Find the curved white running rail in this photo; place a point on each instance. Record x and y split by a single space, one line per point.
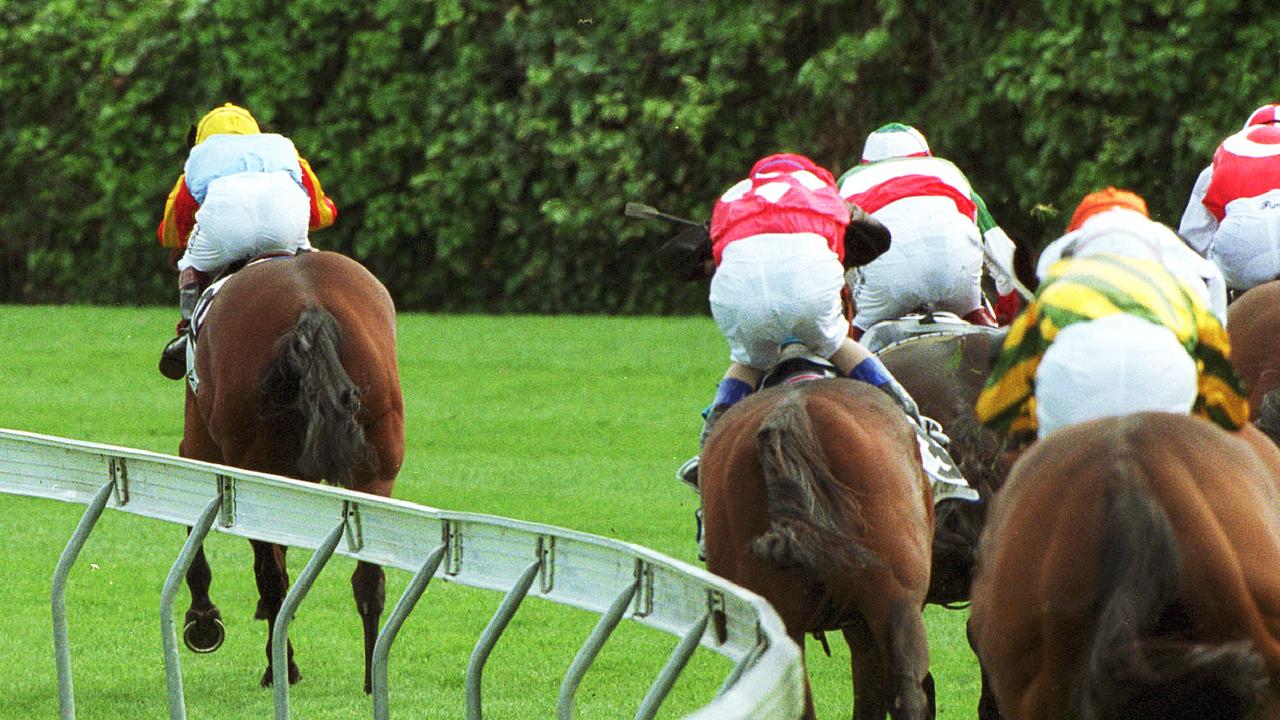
615 579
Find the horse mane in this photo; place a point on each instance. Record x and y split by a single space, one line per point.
1138 664
307 393
803 505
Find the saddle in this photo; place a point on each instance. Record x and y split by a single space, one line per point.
797 363
887 333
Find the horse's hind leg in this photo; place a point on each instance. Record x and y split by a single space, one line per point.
369 586
890 657
368 582
870 679
202 629
910 681
273 583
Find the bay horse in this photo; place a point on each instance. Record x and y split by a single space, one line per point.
297 372
944 372
814 496
1128 569
1253 323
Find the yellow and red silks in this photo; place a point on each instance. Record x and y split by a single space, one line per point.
180 209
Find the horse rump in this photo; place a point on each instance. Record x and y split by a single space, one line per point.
1140 663
307 394
803 506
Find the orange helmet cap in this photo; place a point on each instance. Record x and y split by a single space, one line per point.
1106 199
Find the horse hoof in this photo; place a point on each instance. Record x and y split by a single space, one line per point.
203 635
269 677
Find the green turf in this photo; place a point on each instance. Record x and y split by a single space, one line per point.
572 421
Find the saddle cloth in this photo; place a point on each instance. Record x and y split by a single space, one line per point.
891 332
202 309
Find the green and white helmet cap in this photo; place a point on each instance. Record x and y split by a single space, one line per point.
894 140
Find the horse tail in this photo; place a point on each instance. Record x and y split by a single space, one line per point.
307 387
805 530
1138 666
1268 420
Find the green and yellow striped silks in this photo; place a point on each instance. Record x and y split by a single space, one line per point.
1083 289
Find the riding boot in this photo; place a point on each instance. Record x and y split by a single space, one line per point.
981 316
688 472
173 359
728 393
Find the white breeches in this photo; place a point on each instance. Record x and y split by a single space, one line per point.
934 261
244 215
1115 365
1246 245
771 287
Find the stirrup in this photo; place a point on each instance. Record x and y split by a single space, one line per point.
701 537
688 473
173 359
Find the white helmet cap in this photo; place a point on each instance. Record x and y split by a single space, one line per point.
1115 365
894 140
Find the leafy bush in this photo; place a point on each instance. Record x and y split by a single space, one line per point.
480 153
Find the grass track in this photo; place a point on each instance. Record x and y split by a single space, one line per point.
572 421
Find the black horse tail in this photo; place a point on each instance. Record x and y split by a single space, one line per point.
308 392
1268 420
1139 664
803 505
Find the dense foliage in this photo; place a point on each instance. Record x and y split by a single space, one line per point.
480 152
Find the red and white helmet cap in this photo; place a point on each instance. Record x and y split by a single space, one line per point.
894 140
1264 115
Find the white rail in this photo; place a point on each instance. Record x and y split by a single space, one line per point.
615 579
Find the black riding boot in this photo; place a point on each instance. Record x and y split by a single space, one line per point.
173 359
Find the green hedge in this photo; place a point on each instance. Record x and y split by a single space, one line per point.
481 152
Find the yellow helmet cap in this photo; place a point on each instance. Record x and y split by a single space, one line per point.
226 120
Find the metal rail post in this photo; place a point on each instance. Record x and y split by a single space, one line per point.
587 653
58 598
382 647
280 639
168 635
497 625
675 665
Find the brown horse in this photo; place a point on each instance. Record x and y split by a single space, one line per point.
945 373
813 496
1253 322
1128 570
297 368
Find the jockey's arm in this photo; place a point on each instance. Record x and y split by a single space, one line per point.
179 216
323 209
1198 225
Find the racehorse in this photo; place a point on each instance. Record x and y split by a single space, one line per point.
1128 570
944 372
814 496
1253 322
296 361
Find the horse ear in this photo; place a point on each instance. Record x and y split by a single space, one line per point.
865 239
685 255
191 137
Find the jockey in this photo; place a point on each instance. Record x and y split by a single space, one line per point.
1110 335
940 228
778 241
1116 221
242 193
1233 216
